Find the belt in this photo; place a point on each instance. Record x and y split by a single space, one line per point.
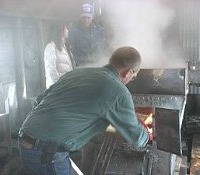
47 146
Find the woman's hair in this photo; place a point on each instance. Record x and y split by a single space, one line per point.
126 58
56 32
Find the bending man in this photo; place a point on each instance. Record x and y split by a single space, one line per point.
78 107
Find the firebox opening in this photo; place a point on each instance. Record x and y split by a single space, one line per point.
145 113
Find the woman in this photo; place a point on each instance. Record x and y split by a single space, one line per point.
57 59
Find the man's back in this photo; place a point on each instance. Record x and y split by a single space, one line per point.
75 108
78 107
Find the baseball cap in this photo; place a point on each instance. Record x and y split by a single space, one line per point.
87 10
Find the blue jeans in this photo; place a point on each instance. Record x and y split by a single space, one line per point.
60 165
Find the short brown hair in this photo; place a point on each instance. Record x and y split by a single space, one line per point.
126 57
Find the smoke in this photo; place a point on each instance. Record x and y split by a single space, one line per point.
142 24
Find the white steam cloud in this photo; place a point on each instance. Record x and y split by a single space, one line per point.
142 24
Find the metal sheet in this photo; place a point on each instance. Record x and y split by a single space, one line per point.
159 101
193 77
165 91
159 81
168 130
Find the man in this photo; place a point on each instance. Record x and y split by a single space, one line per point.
86 37
78 107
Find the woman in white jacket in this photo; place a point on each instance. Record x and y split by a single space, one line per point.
57 59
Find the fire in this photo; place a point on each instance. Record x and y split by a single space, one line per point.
147 121
149 125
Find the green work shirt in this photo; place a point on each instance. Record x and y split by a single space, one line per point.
81 105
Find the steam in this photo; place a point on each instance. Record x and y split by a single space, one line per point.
142 24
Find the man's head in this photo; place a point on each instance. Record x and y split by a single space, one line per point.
127 61
87 14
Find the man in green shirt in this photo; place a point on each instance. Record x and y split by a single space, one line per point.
78 107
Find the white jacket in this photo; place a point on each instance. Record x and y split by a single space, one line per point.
56 63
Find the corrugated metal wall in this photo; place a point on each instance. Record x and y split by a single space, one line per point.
189 16
189 29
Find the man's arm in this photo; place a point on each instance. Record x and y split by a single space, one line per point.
122 116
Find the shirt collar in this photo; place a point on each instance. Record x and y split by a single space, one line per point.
112 71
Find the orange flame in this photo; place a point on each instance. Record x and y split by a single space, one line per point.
149 120
149 125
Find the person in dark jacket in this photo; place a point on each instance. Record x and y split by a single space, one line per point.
77 108
86 37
